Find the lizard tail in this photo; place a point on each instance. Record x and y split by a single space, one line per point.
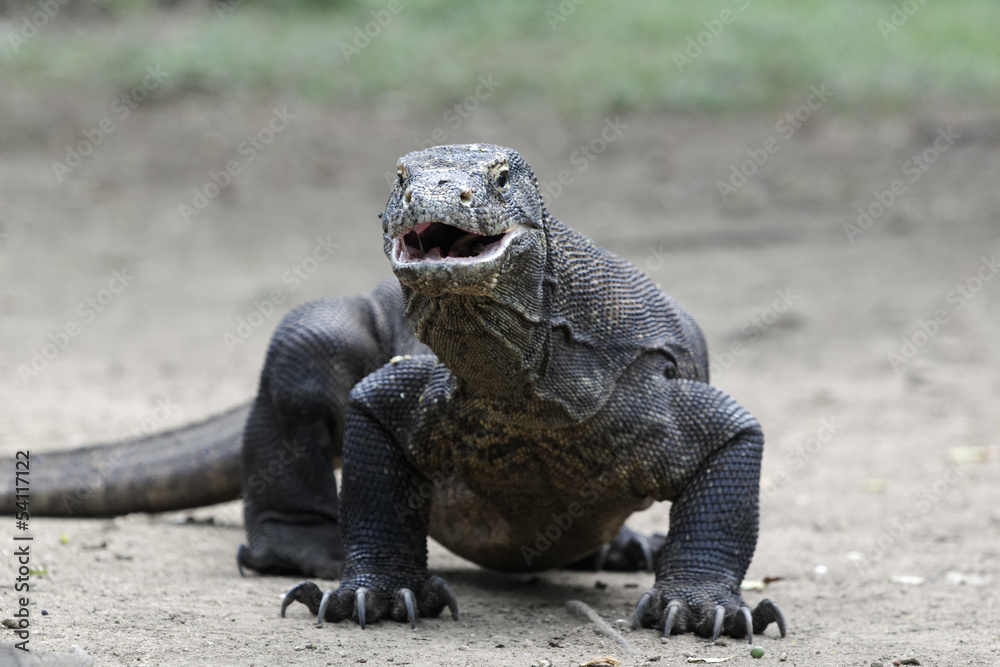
192 466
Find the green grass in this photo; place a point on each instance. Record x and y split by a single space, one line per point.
603 58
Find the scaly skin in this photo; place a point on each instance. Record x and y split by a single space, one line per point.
553 391
516 394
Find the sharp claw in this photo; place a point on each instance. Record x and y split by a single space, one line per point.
766 612
239 560
449 597
602 557
779 618
640 608
720 614
359 601
748 622
673 607
322 607
408 601
290 597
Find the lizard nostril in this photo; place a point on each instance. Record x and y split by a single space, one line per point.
466 196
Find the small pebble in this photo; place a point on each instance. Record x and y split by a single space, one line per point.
783 657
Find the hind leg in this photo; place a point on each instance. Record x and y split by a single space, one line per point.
295 429
630 551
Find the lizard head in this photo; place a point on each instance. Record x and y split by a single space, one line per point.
460 218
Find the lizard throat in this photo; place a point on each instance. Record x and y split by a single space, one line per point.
434 242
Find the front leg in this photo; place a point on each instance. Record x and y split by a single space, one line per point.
385 531
713 520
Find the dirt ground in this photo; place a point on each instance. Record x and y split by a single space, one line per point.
876 466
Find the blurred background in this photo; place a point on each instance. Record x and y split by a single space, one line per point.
207 146
815 180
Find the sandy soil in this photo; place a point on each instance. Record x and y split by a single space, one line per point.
861 480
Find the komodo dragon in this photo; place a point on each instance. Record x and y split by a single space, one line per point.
517 394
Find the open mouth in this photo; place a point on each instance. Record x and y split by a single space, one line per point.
436 241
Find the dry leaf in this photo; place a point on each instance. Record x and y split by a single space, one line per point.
960 579
711 660
602 661
968 454
873 485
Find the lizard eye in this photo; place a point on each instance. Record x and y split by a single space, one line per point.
502 180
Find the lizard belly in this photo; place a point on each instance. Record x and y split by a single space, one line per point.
521 539
526 500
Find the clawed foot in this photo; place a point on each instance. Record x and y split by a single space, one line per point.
708 610
630 551
373 598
